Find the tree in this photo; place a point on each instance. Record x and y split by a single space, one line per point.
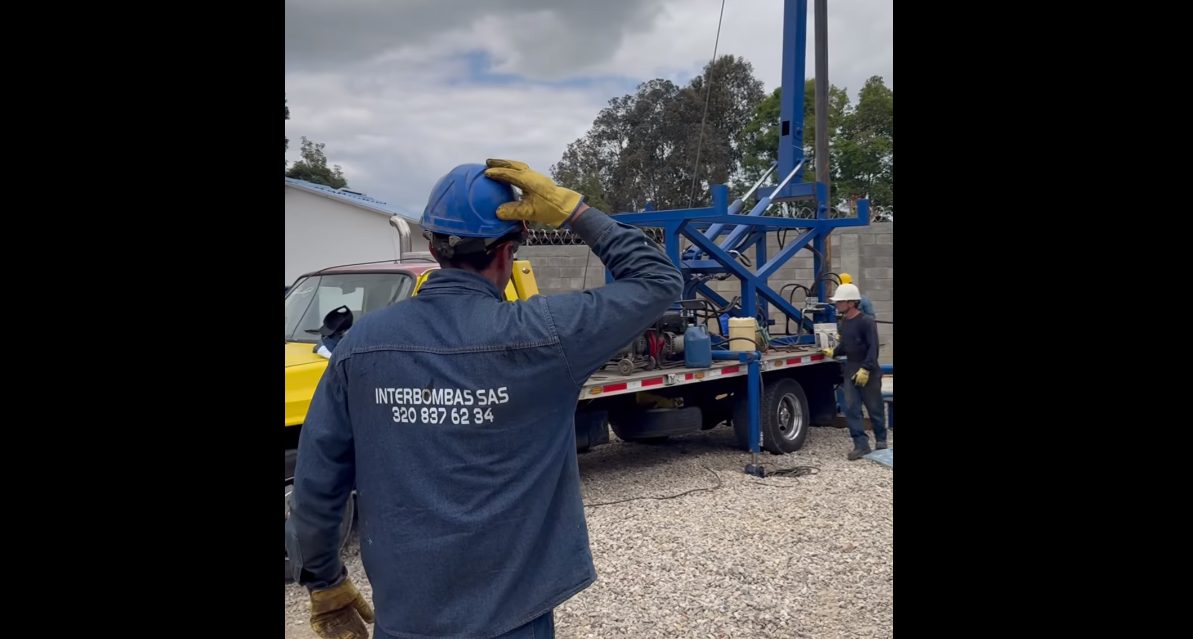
287 119
643 147
760 141
313 167
762 136
861 143
867 146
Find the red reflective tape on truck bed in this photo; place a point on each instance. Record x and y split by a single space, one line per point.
689 376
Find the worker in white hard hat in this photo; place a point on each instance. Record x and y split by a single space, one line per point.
864 305
858 343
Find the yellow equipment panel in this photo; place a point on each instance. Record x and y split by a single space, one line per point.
523 280
522 285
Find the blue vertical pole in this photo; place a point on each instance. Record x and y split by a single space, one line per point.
760 258
819 268
671 240
720 198
791 103
749 299
753 380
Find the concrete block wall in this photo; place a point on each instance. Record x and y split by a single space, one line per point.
866 253
563 269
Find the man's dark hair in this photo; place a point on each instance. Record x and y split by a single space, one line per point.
477 260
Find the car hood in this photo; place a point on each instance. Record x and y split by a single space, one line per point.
298 354
304 369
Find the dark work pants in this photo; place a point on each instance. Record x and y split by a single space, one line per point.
871 396
541 628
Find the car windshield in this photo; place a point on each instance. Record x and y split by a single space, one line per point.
311 299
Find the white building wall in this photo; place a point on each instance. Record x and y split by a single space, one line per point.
323 232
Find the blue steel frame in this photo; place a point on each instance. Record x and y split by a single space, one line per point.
751 229
751 359
704 226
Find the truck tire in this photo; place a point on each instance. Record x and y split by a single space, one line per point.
782 419
349 509
592 429
657 424
716 413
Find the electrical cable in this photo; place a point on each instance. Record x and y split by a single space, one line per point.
794 472
791 301
702 489
707 97
741 258
824 265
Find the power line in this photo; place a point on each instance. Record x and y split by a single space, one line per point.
707 96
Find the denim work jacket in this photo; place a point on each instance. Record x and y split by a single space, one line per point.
866 307
452 413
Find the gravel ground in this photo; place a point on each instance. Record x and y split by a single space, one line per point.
779 558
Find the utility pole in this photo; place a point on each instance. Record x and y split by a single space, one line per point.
822 160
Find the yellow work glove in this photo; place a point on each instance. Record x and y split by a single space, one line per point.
340 612
862 377
541 202
828 351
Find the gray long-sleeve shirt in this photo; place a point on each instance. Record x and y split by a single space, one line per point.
859 344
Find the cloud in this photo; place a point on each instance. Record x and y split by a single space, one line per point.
546 37
403 90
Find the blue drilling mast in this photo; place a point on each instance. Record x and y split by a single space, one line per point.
704 226
709 258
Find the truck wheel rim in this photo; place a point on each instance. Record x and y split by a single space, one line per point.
790 417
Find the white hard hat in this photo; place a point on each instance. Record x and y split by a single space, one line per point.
845 293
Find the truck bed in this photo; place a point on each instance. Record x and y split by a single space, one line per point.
609 382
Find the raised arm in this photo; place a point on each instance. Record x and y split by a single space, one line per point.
594 325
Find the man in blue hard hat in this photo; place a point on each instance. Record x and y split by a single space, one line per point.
453 414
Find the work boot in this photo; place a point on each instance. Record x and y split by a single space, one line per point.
857 453
880 445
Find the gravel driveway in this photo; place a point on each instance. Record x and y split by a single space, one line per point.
776 558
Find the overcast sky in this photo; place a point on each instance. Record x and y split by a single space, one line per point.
401 91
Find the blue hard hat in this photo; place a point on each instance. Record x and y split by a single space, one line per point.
464 203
